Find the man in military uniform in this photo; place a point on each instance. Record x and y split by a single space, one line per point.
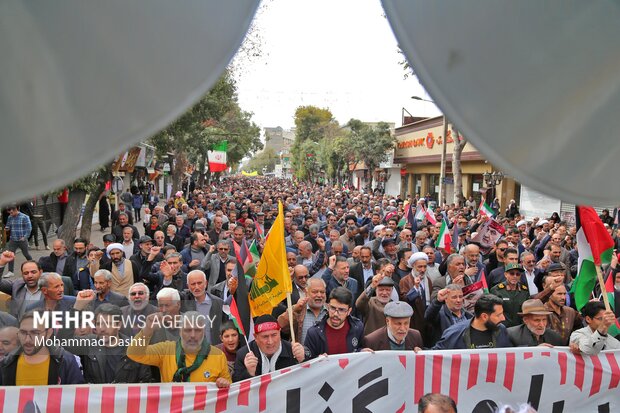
513 293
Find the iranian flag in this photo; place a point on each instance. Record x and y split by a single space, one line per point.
233 314
217 157
430 217
485 209
595 247
444 240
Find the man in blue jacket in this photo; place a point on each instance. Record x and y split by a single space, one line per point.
483 331
338 332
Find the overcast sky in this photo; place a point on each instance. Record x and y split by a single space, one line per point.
339 54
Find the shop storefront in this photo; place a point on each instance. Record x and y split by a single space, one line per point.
418 151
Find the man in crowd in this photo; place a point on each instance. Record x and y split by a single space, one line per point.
170 273
267 352
364 270
138 308
130 245
25 291
497 276
124 271
445 310
563 319
55 262
512 292
102 281
485 330
337 275
594 338
534 330
338 332
307 311
197 298
37 363
123 222
8 340
215 264
371 303
20 227
190 359
195 252
146 257
396 334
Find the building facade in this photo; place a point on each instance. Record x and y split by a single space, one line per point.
418 151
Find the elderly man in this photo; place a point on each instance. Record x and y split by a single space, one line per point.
513 293
138 309
190 359
169 305
455 274
35 363
52 295
55 262
148 255
337 275
370 307
415 289
130 245
445 310
123 222
485 330
196 298
307 311
396 334
214 264
173 239
313 262
594 338
8 340
534 330
170 273
267 352
102 281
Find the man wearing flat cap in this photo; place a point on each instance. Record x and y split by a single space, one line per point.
267 352
370 307
396 335
534 330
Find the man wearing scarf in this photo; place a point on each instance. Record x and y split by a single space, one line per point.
191 358
267 352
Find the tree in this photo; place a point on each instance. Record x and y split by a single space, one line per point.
312 125
217 116
459 145
335 153
265 159
370 144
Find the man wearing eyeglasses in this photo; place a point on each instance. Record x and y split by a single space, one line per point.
338 332
214 263
513 294
138 308
35 363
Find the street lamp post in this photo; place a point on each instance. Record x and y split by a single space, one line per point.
493 179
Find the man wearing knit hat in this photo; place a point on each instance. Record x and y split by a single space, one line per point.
267 352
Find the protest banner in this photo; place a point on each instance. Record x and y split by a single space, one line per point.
550 379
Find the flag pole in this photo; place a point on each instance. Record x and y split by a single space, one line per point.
601 284
289 308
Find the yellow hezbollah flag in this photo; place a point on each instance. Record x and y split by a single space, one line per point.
272 280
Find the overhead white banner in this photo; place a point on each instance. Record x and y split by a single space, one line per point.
552 380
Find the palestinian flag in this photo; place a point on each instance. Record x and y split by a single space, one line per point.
595 247
403 220
485 209
420 212
430 217
614 329
444 240
259 230
217 157
252 260
233 314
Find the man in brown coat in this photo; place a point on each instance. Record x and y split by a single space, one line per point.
371 308
396 335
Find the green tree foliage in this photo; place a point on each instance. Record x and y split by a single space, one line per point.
312 125
216 117
370 145
267 159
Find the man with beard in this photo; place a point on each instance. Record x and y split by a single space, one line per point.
455 274
534 331
445 310
300 280
8 340
124 271
307 311
483 331
338 332
364 270
370 307
563 319
267 352
25 291
55 262
169 305
191 358
34 363
214 263
137 310
123 222
108 363
102 281
77 266
396 335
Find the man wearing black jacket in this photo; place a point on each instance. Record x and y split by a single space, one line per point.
267 352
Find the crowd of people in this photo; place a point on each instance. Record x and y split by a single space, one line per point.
155 307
